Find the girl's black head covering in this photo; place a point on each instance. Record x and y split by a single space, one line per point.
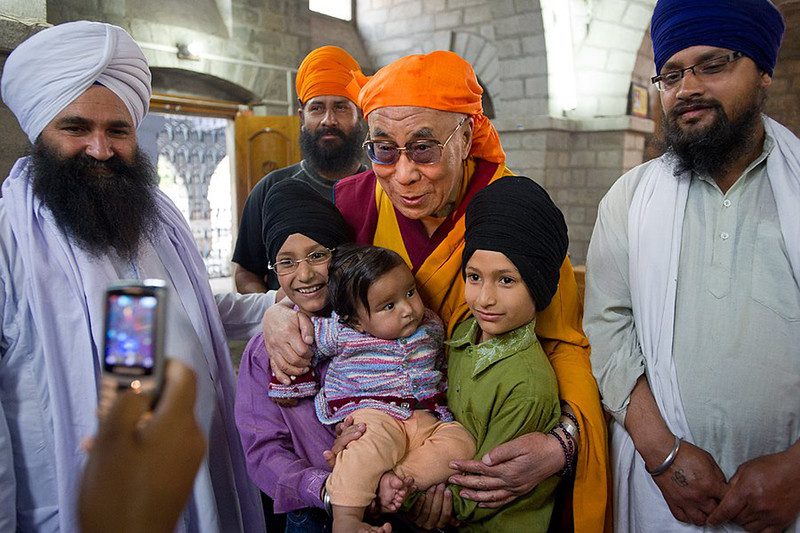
516 217
292 206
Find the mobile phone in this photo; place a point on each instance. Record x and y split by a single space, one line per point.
135 321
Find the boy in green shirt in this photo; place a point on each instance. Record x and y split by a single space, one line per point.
500 382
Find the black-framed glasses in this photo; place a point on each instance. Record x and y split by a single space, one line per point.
704 69
423 151
287 266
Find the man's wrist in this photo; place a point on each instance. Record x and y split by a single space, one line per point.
668 460
562 450
326 499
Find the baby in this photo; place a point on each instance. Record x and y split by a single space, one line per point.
387 372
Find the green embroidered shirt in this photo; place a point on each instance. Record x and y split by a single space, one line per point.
499 390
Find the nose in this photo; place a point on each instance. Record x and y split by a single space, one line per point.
689 86
487 297
99 147
329 118
305 272
406 309
405 170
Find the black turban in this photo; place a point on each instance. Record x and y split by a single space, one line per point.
292 206
516 217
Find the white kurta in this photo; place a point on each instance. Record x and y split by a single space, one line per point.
676 289
32 497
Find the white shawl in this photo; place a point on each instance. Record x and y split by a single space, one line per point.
62 284
655 223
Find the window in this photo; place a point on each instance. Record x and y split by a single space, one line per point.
341 9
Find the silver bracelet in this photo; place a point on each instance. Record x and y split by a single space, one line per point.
569 427
326 501
663 467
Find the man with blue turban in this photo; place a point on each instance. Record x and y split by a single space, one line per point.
693 288
82 211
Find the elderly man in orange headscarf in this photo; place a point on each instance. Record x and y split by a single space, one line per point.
331 133
432 149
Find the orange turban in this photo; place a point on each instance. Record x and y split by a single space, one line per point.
326 71
439 80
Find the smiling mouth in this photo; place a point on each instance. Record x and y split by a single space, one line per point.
310 290
487 317
413 199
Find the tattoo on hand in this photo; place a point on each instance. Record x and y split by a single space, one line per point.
679 478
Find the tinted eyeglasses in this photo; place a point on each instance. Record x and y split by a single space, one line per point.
287 266
422 152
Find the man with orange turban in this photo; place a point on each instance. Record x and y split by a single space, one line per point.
331 132
432 149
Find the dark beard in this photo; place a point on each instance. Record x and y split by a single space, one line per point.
332 159
712 151
114 210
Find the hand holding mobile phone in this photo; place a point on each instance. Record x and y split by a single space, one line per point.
133 352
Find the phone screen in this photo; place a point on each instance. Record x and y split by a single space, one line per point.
130 334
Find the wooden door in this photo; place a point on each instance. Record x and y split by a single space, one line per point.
263 144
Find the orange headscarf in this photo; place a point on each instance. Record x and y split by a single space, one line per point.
440 80
327 71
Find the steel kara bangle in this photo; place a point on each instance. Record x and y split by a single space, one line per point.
326 501
663 467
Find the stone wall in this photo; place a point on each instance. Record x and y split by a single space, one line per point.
502 39
240 40
783 103
576 161
251 46
342 33
19 19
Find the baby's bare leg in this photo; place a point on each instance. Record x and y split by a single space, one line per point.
351 520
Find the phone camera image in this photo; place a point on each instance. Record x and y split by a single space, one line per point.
130 334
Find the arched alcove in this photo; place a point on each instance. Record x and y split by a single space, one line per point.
168 80
480 53
609 35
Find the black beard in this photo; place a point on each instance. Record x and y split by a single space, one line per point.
712 151
327 158
100 205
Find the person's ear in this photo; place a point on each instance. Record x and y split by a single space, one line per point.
355 324
467 135
765 80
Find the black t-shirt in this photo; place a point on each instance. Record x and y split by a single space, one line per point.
250 252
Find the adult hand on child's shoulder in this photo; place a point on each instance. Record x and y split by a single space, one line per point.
288 336
510 470
346 432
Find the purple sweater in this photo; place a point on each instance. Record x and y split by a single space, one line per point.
283 445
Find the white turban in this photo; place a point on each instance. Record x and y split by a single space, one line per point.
47 72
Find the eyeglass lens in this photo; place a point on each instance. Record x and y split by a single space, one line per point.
388 153
317 257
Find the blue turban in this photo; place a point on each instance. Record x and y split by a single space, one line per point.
752 27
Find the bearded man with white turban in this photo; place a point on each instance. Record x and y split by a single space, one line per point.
693 288
80 212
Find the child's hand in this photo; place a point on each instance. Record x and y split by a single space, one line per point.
346 432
